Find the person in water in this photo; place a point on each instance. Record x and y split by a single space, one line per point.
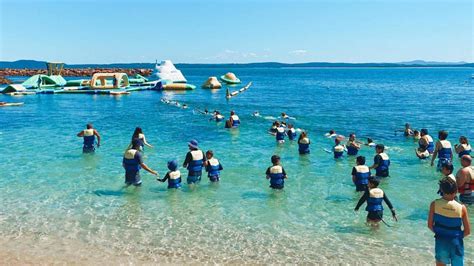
352 145
132 163
89 134
407 131
284 116
416 135
360 174
234 119
374 197
442 150
256 114
338 149
276 173
465 181
381 162
217 116
422 153
173 175
445 219
331 134
291 132
370 143
213 167
138 134
303 143
280 134
273 129
194 162
426 141
463 148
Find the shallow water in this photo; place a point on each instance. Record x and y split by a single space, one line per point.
53 197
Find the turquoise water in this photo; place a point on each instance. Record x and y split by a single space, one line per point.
58 202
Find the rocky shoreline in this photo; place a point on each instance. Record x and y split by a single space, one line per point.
69 72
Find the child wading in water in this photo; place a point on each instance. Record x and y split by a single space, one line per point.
173 175
374 197
445 219
276 173
213 166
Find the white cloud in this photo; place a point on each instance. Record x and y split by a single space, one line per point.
298 52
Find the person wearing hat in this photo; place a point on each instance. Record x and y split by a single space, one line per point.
173 175
132 163
194 162
89 134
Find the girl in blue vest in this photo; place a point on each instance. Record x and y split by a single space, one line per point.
132 163
446 219
138 134
194 162
280 134
89 135
213 167
291 132
374 197
173 175
303 143
234 119
352 146
360 174
463 148
442 150
338 149
276 173
426 141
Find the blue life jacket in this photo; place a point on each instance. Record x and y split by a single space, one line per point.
466 151
374 202
430 147
197 161
235 121
338 151
447 219
445 153
362 175
351 150
303 146
213 167
89 138
276 175
130 163
382 167
174 180
280 134
291 134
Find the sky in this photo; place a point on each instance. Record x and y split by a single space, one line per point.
232 31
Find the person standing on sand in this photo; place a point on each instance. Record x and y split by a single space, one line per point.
89 134
194 162
446 216
132 163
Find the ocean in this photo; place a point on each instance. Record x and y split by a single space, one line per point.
59 205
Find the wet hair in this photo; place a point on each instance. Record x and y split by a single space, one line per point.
303 135
463 139
138 130
209 152
352 135
407 125
89 126
374 181
443 134
337 141
369 140
448 166
232 113
360 160
424 131
448 186
380 147
416 132
275 159
332 131
466 158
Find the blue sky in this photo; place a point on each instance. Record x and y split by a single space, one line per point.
236 31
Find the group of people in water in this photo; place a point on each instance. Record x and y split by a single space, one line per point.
446 217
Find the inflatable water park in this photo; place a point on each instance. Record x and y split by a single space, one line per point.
165 76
